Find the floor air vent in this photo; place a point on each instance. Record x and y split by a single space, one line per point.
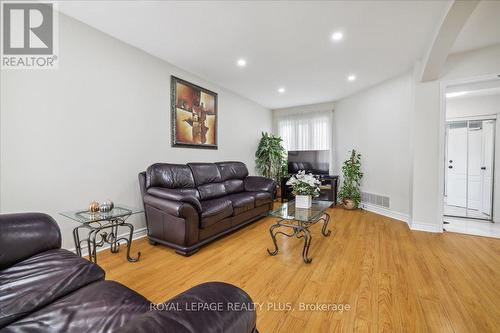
375 199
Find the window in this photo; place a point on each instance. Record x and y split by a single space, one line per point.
307 131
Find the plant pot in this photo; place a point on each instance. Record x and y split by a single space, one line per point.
278 192
349 204
303 201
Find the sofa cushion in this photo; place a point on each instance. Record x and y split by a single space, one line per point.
232 170
232 174
205 173
212 191
259 184
40 280
234 186
208 180
104 306
169 176
242 202
215 210
261 198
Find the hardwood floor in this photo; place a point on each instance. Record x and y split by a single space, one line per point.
393 279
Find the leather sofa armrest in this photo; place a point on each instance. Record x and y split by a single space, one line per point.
176 208
209 307
142 185
182 195
257 183
26 234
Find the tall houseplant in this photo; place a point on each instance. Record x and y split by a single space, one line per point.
271 157
349 193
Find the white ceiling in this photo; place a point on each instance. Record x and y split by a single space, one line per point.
285 43
482 29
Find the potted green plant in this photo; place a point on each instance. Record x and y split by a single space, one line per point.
271 157
304 187
349 193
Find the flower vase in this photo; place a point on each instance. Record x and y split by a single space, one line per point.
303 201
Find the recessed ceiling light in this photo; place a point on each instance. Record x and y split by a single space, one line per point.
337 36
456 94
241 62
281 90
351 77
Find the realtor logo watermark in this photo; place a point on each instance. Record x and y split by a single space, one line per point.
29 35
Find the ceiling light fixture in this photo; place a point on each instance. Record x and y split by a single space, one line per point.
456 94
241 62
351 78
281 90
337 36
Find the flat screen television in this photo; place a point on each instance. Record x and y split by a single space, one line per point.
317 161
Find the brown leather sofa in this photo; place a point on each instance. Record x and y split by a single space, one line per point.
44 288
190 205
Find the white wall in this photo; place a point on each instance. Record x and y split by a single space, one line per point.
472 106
86 130
376 122
428 134
425 154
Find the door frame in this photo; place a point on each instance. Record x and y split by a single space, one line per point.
468 120
442 140
493 168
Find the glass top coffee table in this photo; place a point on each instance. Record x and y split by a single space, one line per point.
97 224
299 220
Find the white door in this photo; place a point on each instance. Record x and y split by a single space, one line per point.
487 166
475 145
456 186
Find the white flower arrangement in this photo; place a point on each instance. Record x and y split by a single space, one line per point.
304 184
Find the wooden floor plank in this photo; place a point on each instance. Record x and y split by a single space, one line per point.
393 279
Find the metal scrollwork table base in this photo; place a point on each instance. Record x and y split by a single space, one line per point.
102 229
299 220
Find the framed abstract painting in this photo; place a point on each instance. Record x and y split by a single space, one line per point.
194 115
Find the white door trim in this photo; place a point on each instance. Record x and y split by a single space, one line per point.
485 117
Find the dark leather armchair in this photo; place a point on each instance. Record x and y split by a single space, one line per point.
218 295
190 205
35 231
44 288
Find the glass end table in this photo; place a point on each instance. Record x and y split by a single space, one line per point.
299 220
96 222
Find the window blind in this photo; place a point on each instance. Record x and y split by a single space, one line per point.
306 131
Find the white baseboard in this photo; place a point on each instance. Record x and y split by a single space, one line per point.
401 217
426 227
138 233
385 212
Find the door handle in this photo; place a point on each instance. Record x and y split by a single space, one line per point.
483 168
450 166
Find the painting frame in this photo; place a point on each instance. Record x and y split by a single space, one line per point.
200 131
